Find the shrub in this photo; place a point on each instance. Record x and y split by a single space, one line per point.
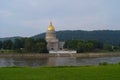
119 63
103 63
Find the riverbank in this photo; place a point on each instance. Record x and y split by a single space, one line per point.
81 55
104 72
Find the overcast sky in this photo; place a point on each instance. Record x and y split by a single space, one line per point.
31 17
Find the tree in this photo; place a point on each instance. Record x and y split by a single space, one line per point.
0 44
81 46
35 45
41 46
7 44
108 47
29 44
71 44
18 44
97 45
89 46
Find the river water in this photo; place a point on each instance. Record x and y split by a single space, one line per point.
56 61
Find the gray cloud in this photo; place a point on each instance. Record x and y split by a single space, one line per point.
30 17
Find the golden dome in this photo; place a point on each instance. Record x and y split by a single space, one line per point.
51 27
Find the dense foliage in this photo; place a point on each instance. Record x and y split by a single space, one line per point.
25 45
39 46
89 46
104 72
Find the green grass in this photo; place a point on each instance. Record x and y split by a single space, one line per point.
107 72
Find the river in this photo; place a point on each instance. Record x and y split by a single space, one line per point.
56 61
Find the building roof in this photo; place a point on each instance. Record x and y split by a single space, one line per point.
51 27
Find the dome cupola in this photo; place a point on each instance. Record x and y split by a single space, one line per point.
51 27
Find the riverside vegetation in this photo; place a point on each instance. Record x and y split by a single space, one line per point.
31 45
23 45
103 72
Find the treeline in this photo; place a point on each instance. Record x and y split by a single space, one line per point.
89 46
24 45
31 45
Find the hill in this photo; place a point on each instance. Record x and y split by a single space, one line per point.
105 36
10 38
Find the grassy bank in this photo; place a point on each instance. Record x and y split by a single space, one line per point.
107 72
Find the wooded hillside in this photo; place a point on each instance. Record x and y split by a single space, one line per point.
104 36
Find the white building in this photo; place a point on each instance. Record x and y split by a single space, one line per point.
53 44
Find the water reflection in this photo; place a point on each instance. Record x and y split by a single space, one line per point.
61 61
56 61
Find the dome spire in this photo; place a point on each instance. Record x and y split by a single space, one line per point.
50 23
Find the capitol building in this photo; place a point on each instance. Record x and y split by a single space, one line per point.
53 44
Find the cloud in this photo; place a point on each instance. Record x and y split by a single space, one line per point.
4 13
66 14
31 23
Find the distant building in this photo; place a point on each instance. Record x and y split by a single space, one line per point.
53 44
